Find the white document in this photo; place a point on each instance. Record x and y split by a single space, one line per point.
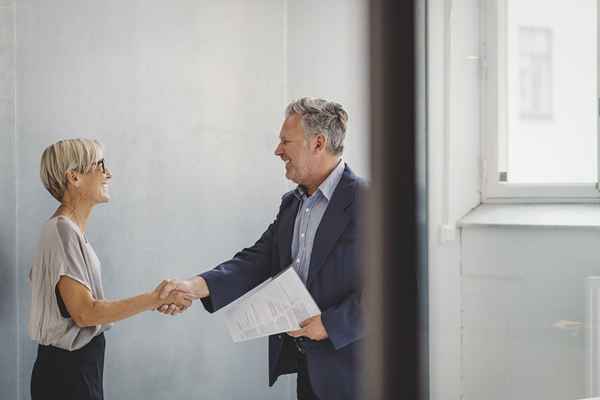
277 305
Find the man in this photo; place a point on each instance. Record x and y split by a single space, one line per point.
317 232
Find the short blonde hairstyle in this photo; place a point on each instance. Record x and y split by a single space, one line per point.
78 155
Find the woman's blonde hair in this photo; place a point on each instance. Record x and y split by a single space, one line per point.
78 155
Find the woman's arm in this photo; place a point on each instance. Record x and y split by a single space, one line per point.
85 310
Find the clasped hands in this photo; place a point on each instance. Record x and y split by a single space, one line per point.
173 297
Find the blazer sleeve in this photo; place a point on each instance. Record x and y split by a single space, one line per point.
344 322
247 269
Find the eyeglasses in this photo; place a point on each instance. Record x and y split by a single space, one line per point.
100 164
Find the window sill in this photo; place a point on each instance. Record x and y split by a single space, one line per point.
534 215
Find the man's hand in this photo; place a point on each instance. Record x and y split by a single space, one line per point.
312 328
193 288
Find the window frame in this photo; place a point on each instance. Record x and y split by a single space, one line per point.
494 121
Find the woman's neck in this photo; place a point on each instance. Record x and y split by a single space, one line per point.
78 212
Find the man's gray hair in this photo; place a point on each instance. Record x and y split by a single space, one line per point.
321 116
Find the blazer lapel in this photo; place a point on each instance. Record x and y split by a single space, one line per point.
334 221
286 230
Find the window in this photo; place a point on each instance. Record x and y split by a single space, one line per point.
540 95
535 73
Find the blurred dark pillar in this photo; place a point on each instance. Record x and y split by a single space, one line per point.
397 296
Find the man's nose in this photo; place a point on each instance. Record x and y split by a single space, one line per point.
278 150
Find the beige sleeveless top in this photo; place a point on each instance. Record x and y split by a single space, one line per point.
62 250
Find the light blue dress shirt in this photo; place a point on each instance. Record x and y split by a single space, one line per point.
309 217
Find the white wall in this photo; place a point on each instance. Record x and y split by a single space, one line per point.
453 153
337 71
188 98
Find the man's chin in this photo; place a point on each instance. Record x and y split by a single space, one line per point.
290 177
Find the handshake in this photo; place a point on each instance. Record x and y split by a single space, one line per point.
174 296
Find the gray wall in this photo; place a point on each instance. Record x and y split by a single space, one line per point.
8 227
188 98
327 50
517 284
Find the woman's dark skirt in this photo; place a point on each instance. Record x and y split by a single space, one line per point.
62 374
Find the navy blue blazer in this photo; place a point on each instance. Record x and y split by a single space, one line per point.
334 281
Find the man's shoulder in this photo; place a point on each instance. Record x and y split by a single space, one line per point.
358 182
288 197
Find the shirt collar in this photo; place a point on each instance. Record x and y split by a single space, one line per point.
328 186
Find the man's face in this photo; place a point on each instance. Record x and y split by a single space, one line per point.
294 150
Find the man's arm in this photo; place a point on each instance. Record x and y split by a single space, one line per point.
231 279
342 324
246 270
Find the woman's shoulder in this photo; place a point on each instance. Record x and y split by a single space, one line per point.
62 229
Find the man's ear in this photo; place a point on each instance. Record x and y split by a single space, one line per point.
320 142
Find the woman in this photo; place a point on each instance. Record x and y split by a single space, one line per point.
68 311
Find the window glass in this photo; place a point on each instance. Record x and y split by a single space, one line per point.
551 109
